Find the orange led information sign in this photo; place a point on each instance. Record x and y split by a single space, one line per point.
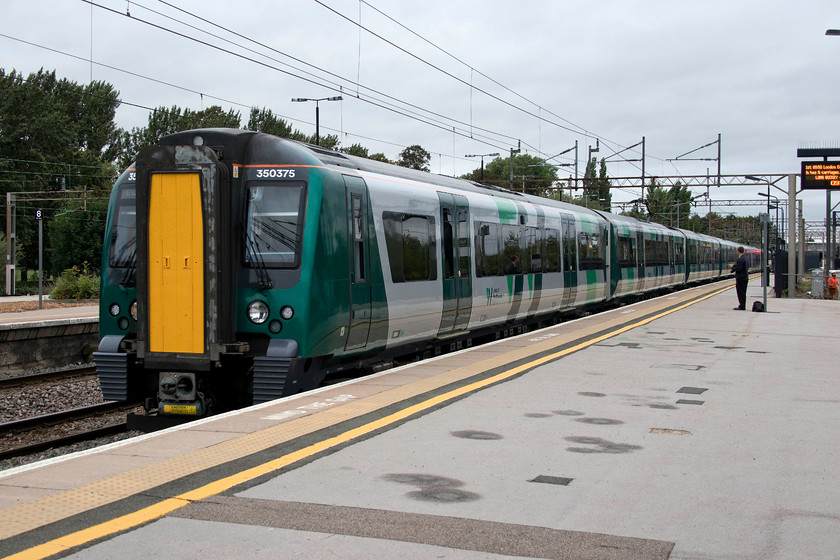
824 175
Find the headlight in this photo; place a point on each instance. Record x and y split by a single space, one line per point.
132 310
287 312
114 310
257 312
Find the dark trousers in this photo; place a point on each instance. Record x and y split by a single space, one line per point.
741 289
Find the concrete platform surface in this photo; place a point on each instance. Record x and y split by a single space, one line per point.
692 432
45 315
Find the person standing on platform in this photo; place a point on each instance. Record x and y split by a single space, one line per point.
742 277
832 286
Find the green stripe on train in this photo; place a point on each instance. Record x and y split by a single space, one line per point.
507 211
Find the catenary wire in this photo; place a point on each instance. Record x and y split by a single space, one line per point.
376 103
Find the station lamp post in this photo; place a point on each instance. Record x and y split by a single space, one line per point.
780 225
765 237
482 156
317 117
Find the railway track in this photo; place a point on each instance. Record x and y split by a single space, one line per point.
35 378
28 436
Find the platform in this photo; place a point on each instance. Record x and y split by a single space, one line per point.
673 428
47 337
81 313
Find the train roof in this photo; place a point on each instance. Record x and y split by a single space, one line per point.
338 159
221 139
239 139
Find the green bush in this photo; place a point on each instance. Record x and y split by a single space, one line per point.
76 284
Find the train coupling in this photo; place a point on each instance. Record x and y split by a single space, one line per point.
178 395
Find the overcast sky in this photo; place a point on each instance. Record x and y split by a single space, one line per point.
479 77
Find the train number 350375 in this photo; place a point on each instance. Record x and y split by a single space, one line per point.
275 173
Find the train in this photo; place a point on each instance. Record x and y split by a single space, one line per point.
240 267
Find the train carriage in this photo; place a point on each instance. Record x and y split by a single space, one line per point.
702 257
648 256
240 267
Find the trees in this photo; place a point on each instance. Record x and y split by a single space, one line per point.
55 137
379 156
264 120
596 186
415 157
77 235
658 203
680 197
356 150
530 174
671 207
163 121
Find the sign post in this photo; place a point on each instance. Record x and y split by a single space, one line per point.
39 216
765 246
822 175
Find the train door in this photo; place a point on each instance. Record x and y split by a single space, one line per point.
457 263
570 260
672 258
176 264
359 265
609 247
641 270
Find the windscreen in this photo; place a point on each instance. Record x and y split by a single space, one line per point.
124 228
274 225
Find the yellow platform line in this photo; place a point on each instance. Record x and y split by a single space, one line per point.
158 510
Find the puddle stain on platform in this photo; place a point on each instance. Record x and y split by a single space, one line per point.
433 488
601 445
476 434
599 421
568 413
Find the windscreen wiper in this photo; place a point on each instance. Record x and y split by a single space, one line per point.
258 264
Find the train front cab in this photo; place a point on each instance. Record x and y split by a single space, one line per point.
183 279
116 355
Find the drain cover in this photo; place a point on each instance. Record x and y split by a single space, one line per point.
693 390
624 344
686 401
559 480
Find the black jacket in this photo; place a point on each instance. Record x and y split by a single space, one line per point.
740 268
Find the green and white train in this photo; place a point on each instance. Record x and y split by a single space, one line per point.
240 267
